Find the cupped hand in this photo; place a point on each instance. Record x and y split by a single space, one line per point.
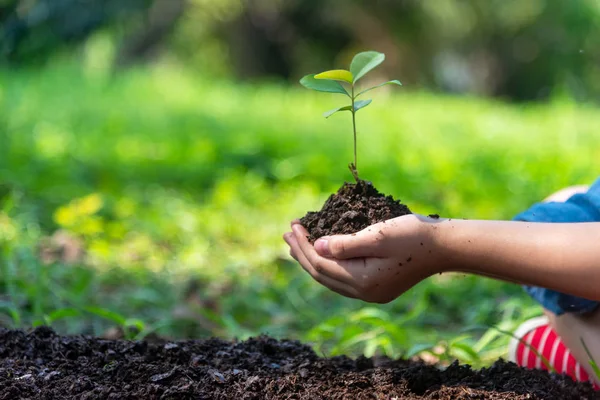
376 264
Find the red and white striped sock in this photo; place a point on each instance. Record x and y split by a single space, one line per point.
538 334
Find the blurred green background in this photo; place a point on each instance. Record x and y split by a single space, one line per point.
153 152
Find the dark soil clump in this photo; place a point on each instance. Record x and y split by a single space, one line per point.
353 208
43 365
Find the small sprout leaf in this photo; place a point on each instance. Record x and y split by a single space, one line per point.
336 75
358 104
322 85
394 82
365 62
331 112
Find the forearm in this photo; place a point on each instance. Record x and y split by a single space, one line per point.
563 257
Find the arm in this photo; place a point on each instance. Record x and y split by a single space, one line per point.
563 257
383 261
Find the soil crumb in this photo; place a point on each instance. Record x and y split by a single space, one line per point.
354 207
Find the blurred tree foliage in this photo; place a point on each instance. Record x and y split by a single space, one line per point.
521 50
34 30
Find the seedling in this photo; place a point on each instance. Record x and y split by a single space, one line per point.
333 218
336 81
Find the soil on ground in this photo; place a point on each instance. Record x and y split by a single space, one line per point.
43 365
353 208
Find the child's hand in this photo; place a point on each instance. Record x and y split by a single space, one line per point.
377 264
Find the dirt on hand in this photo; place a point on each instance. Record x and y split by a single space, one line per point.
353 208
43 365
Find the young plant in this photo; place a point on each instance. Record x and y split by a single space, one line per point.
333 82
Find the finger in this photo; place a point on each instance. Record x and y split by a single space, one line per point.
365 243
331 268
337 286
286 238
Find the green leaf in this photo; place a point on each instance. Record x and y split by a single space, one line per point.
329 113
336 75
595 368
464 351
394 82
369 313
354 338
591 360
322 85
365 62
38 322
60 314
135 323
370 348
13 312
358 104
107 314
418 349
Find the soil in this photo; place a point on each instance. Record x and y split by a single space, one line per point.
43 365
354 207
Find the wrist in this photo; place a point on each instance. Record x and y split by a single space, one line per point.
442 233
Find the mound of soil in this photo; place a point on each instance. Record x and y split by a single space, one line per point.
43 365
353 208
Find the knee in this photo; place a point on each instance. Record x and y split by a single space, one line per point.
564 194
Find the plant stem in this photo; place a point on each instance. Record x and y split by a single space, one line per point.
353 168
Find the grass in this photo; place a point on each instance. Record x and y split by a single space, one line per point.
155 202
591 360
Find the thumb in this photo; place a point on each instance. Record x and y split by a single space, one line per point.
347 246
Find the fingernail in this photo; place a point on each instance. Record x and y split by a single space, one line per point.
322 247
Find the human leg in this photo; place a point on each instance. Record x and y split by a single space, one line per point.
573 329
557 337
536 345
